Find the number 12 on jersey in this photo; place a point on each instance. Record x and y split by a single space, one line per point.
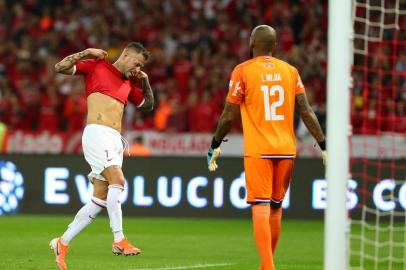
270 109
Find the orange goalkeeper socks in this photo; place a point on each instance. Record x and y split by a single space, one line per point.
275 221
262 235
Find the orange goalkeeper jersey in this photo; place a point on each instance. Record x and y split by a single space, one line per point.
265 88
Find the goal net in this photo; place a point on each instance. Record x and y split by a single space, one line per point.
377 193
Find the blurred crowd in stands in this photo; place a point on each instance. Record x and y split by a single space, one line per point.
195 44
379 70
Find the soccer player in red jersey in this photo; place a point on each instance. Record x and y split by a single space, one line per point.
108 89
265 90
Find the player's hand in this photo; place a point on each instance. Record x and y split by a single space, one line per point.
212 157
324 156
141 75
97 53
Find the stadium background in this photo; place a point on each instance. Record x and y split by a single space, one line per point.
194 45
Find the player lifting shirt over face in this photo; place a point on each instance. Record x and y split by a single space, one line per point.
265 91
108 89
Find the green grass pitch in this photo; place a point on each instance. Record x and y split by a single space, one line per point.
166 243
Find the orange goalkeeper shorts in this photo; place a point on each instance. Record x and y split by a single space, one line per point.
267 179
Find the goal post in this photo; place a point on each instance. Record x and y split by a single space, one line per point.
338 115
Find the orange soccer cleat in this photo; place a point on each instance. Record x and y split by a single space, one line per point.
125 247
60 251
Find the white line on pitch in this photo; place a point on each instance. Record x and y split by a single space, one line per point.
300 266
195 266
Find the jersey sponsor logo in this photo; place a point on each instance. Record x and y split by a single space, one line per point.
237 87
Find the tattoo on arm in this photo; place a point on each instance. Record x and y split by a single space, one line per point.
69 61
230 113
148 95
309 117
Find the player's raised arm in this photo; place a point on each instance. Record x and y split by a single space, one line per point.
312 123
147 91
66 65
143 100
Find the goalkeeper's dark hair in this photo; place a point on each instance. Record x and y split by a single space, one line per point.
139 48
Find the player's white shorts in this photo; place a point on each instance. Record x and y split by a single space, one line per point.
102 147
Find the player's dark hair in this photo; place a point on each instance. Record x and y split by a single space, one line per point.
139 48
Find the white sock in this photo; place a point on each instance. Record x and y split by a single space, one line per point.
114 210
83 218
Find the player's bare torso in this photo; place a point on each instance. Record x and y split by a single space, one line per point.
104 110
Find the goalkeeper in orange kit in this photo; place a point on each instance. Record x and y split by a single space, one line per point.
265 90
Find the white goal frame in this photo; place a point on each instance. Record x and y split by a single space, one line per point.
338 127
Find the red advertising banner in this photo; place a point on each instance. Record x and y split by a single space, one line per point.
190 144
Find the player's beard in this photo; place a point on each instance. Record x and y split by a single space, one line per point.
128 75
251 53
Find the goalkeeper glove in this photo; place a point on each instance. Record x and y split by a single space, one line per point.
322 145
324 156
213 154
